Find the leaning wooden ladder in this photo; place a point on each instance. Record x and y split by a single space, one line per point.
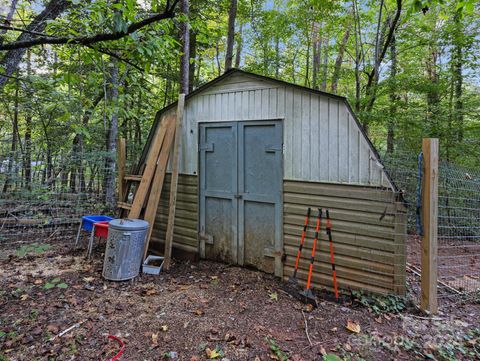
150 183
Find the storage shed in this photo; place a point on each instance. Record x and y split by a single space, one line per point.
256 152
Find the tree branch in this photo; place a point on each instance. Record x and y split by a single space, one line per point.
14 28
391 31
88 40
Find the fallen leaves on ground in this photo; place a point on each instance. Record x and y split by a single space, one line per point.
273 296
155 339
309 308
212 354
353 326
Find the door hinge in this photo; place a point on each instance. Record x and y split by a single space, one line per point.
273 149
207 238
208 147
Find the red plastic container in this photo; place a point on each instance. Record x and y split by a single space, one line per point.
101 229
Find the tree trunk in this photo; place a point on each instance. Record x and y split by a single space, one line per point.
8 18
217 56
168 87
185 41
193 57
110 160
11 168
358 56
28 134
77 148
317 46
393 97
457 76
433 96
12 58
307 63
238 53
380 52
232 14
323 86
338 62
277 57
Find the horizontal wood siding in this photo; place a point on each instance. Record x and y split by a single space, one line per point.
186 215
368 235
322 141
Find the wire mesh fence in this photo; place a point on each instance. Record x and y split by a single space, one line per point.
42 196
458 220
459 227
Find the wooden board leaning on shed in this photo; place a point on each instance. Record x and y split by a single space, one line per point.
174 181
148 192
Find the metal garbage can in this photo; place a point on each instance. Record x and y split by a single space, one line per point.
124 252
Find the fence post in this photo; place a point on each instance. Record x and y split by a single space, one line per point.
429 302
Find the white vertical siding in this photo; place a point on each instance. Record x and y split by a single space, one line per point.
322 140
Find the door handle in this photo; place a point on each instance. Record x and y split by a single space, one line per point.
238 196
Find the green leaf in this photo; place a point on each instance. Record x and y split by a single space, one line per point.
2 334
48 286
62 285
55 280
331 357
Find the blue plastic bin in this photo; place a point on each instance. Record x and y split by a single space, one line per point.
88 221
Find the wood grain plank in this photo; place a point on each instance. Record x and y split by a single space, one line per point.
144 186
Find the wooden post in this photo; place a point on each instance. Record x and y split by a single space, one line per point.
429 218
121 159
173 184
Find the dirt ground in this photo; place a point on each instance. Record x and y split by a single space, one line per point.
204 310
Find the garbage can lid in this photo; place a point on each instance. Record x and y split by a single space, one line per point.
126 224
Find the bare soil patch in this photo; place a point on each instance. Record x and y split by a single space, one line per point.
239 313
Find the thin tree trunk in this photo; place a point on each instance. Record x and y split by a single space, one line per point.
77 148
28 136
338 62
217 57
238 53
8 18
307 64
232 14
277 57
373 75
193 60
325 64
393 97
457 76
358 57
168 87
11 168
110 161
317 46
185 41
138 128
433 96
